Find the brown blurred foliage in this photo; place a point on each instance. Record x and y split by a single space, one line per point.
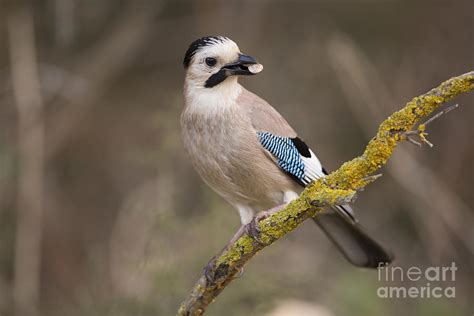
126 225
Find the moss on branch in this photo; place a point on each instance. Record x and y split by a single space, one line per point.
337 188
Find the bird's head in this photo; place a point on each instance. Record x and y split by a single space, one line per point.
210 61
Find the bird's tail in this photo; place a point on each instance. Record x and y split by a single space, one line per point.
356 245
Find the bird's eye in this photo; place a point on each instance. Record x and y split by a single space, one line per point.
211 61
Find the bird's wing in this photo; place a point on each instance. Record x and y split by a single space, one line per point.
280 140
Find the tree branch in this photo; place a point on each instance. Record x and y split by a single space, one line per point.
340 185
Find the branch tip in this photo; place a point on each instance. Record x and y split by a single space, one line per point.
421 130
372 178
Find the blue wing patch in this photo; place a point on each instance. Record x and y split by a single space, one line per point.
286 153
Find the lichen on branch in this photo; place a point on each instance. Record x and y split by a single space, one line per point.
337 188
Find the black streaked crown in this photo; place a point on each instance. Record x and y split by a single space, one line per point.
198 44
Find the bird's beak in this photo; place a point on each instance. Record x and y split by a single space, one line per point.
240 66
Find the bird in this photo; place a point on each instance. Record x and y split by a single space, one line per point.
245 150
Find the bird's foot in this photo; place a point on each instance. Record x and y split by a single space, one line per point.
253 230
210 269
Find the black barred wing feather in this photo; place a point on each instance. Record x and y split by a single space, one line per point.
293 156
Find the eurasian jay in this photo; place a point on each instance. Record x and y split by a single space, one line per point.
248 153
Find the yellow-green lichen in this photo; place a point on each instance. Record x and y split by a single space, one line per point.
243 245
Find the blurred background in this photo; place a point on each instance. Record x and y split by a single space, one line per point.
101 212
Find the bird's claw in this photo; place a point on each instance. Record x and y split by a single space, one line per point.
209 270
252 228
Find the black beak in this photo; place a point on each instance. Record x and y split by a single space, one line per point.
240 66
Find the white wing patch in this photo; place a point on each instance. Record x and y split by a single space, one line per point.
312 168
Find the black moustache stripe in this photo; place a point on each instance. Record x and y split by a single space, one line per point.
216 78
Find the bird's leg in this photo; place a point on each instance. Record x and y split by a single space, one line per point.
252 228
210 269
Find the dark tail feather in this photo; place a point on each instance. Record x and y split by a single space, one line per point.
360 249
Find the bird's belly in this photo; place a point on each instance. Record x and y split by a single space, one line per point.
233 164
